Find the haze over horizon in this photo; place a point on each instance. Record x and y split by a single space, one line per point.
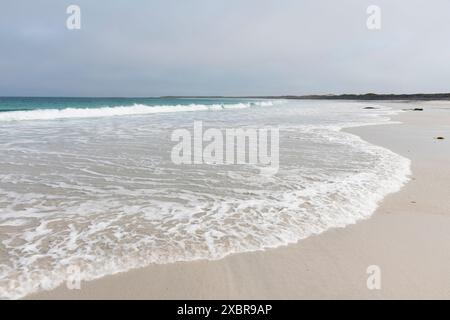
223 48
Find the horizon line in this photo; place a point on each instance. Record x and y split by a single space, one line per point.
293 96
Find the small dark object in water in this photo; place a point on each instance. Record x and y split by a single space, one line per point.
440 138
418 109
369 108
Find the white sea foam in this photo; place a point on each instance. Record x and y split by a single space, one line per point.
83 196
136 109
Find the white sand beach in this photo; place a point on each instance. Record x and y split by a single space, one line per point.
408 238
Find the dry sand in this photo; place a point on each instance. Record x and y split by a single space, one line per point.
408 238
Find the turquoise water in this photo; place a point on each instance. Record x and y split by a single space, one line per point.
20 109
33 103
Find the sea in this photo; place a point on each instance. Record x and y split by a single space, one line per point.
88 186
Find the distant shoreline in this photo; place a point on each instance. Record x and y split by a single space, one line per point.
365 97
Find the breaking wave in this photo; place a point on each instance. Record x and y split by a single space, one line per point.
136 109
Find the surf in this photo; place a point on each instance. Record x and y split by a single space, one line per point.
104 196
136 109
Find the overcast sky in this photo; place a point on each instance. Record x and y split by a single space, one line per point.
223 47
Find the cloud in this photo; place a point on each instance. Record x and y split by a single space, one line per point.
227 47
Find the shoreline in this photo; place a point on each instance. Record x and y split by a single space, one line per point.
407 237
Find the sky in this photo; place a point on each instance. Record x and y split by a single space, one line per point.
145 48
